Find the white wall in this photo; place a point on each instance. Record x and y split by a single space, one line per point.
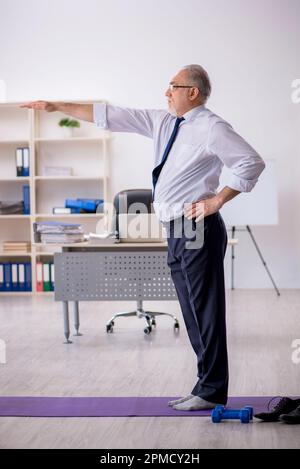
127 51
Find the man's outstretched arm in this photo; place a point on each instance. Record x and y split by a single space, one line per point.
80 111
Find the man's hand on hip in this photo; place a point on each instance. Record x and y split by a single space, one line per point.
205 207
202 208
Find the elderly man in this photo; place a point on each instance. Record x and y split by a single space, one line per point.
191 145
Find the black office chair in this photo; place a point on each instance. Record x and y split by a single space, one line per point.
126 199
122 203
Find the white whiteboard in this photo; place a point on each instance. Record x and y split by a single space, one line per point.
258 207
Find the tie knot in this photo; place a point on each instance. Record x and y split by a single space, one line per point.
179 119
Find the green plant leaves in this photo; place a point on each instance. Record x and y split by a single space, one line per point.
68 123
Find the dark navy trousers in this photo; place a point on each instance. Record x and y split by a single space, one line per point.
198 276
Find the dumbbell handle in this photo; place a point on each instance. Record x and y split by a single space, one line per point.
231 414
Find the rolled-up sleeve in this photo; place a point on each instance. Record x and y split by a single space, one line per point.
243 161
99 114
119 119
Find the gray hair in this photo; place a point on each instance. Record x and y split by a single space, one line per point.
198 77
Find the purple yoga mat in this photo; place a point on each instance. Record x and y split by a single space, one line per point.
110 406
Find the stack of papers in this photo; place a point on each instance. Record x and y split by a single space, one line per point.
22 246
57 232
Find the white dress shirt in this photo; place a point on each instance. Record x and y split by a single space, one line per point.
204 143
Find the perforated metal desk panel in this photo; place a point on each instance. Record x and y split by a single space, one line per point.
113 272
87 272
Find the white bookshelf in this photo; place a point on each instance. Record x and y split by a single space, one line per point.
74 216
68 139
86 153
15 254
15 179
15 217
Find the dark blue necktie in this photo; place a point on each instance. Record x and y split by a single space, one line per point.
157 170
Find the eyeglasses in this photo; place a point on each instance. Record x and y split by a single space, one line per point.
173 87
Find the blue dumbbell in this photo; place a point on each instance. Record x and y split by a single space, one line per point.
250 411
220 413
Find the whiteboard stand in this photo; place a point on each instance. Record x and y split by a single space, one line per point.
233 230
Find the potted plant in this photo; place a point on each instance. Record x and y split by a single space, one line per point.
68 126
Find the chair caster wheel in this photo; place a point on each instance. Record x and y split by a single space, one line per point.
153 322
109 328
176 326
147 330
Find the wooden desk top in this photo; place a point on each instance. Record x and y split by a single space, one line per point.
128 246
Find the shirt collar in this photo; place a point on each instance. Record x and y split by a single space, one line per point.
193 112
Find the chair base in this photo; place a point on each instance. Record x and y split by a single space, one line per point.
149 316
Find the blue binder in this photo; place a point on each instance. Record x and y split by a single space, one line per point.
25 158
7 276
97 203
88 206
93 201
26 200
27 276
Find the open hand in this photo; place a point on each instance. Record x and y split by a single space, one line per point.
40 106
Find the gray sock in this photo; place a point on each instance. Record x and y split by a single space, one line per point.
195 403
179 401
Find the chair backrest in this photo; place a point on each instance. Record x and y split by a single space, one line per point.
135 220
133 196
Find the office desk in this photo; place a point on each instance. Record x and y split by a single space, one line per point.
111 272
